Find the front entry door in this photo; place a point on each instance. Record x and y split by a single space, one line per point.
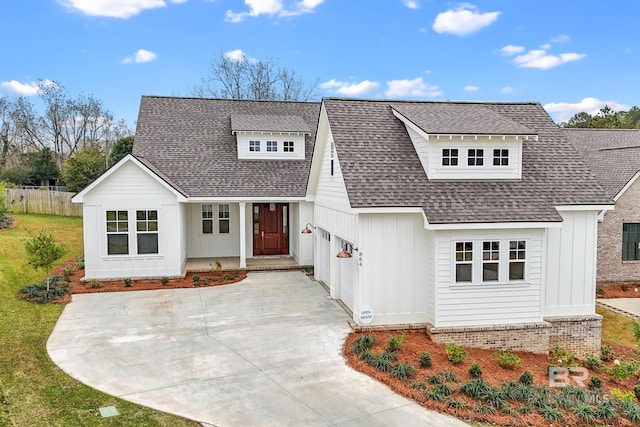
270 228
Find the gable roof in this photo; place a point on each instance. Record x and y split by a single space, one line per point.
381 168
268 123
189 143
612 154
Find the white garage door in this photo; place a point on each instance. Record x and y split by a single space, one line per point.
322 270
345 273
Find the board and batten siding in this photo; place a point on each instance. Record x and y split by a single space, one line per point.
394 275
482 304
200 245
571 265
130 188
331 190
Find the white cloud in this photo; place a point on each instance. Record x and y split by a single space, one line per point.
463 20
471 88
563 111
561 38
506 89
140 57
115 8
511 50
236 55
415 87
411 4
272 8
539 58
24 89
350 89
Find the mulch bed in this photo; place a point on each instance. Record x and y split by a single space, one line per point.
618 290
14 224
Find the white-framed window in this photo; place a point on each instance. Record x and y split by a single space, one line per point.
501 157
117 232
475 157
332 156
254 146
287 146
223 218
272 146
490 261
147 232
206 212
449 157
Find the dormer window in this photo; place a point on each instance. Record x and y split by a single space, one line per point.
254 146
501 157
475 157
282 137
288 146
449 157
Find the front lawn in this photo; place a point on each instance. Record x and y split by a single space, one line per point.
34 390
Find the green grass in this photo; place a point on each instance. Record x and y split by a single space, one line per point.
617 329
38 392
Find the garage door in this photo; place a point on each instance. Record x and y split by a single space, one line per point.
345 270
322 270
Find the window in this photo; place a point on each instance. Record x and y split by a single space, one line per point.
254 146
117 233
630 242
449 157
475 157
207 219
223 218
288 146
272 146
147 232
490 261
464 261
517 256
500 157
332 155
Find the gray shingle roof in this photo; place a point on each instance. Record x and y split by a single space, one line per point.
612 154
268 123
381 168
189 143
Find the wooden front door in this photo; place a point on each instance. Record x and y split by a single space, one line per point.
270 228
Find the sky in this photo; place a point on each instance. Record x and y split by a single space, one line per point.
570 56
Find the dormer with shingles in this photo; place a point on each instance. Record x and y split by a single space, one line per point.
273 137
464 140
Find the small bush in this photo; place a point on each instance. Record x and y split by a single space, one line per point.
524 409
585 412
455 404
404 371
622 396
606 353
475 371
485 410
434 379
624 287
606 410
561 357
455 353
551 414
196 280
509 360
526 378
595 383
449 375
367 356
435 394
164 280
425 360
394 343
382 365
476 388
217 266
94 284
388 355
67 271
445 389
38 292
127 283
80 262
624 370
363 343
593 362
599 290
636 391
631 411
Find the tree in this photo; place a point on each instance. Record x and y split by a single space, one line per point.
83 168
121 148
43 250
3 199
244 78
43 167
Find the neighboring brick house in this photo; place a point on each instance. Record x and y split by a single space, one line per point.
614 157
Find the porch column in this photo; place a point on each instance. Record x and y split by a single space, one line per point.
243 235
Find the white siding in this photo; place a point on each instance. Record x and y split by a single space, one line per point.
331 189
200 245
130 188
301 244
488 304
394 275
244 153
571 259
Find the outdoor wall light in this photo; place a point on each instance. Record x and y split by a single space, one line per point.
344 253
307 230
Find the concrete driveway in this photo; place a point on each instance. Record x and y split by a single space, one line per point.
262 352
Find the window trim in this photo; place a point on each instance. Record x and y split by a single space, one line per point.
500 157
475 157
288 146
477 261
206 216
272 146
224 215
117 222
627 242
254 146
450 157
148 231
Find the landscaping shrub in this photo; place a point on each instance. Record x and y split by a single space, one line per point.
363 343
606 353
475 371
196 280
636 391
606 410
526 378
382 364
94 284
425 359
623 370
476 388
455 353
631 411
593 362
561 357
394 343
388 355
164 280
622 396
404 371
595 383
38 292
67 271
80 262
449 375
585 412
551 414
127 283
508 360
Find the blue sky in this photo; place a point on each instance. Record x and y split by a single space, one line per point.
569 56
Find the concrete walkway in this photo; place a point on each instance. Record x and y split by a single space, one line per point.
629 307
262 352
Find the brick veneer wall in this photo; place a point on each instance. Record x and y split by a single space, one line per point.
610 267
532 337
578 335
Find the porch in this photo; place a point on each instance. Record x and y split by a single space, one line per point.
253 264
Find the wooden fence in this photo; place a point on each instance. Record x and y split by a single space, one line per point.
42 202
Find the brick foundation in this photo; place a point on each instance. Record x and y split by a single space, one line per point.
578 335
533 337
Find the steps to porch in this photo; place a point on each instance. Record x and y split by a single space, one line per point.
260 263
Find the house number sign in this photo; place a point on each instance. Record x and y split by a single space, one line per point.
360 258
